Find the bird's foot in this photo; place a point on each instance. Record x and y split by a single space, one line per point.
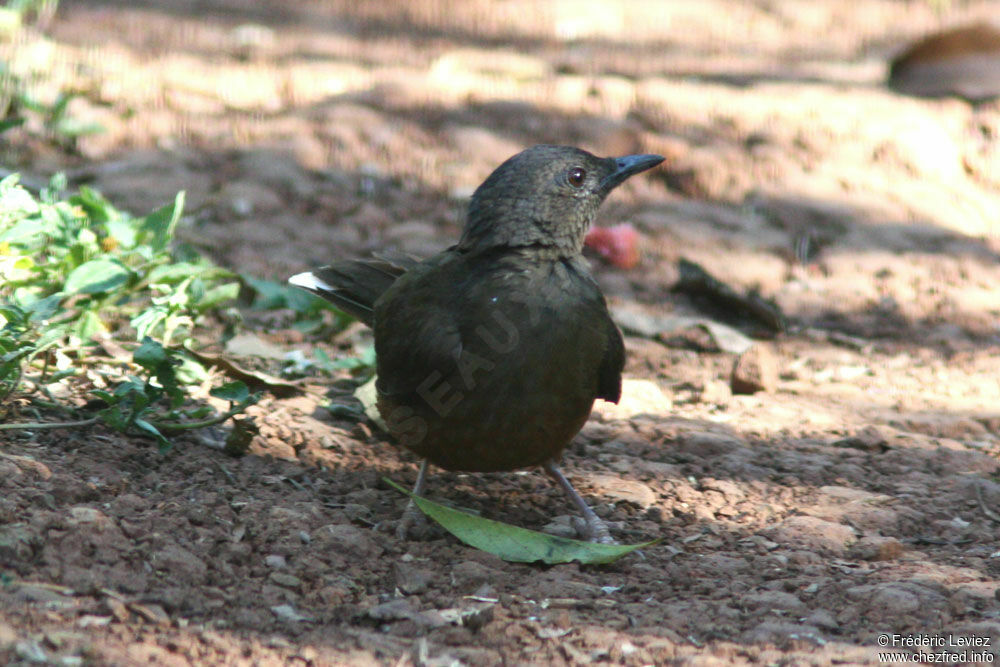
594 530
412 521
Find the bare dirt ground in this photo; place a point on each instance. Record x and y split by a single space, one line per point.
857 500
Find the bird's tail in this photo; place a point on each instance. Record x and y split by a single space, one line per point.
354 285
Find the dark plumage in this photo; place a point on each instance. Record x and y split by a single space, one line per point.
490 354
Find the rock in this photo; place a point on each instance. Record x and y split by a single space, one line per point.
862 509
88 515
287 612
285 580
117 609
822 619
944 426
657 470
249 39
18 542
52 599
346 539
894 601
276 561
461 63
561 526
847 494
813 534
697 332
9 471
723 486
776 631
715 391
755 370
183 566
128 504
30 465
623 490
31 652
870 439
876 548
7 635
471 574
768 600
394 610
411 579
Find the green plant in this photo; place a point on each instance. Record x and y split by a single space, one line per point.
313 315
60 126
76 269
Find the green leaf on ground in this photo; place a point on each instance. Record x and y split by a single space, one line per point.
515 544
232 391
97 275
160 224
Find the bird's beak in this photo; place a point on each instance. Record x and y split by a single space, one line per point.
629 166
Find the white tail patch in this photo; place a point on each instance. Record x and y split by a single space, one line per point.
310 282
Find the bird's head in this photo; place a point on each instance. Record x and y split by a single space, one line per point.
545 196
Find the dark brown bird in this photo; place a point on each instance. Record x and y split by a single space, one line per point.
963 61
490 354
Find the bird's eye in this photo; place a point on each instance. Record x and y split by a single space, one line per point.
576 176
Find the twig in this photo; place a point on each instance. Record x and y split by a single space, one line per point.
39 425
228 474
190 426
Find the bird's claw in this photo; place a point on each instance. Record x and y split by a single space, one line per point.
412 519
593 531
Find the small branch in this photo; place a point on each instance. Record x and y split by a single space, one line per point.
39 425
190 426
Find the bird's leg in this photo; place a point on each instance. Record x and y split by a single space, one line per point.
597 529
412 515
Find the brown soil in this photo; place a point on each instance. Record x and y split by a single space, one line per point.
859 498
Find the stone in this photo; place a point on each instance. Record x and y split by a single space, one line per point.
755 370
471 574
893 601
183 566
777 631
822 619
285 580
876 548
411 579
346 539
768 600
624 490
813 534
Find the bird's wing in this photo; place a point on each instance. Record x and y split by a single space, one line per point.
609 374
417 332
353 285
602 329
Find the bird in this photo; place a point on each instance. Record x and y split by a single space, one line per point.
962 60
491 354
